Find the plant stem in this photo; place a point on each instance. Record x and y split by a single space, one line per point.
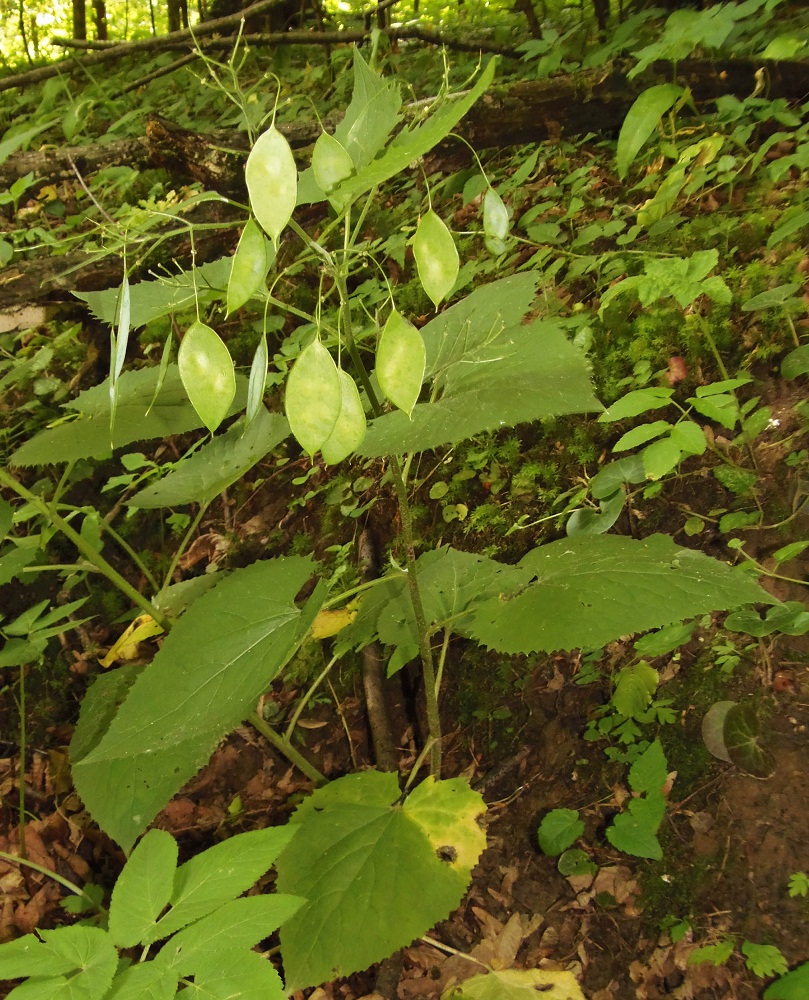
183 545
16 859
23 752
284 747
293 722
89 553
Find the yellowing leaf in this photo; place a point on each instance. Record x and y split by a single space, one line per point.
518 984
447 812
329 623
126 647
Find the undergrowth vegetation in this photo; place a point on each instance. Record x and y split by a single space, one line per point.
562 384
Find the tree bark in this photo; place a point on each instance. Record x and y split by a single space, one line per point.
173 8
100 18
79 20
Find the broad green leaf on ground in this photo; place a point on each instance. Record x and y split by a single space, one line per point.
635 831
235 926
216 465
742 735
589 590
411 143
70 963
793 986
89 435
713 729
635 686
215 663
218 875
452 583
641 120
796 362
650 770
516 376
143 889
558 830
236 975
149 300
377 873
518 984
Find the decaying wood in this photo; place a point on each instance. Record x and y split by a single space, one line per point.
523 113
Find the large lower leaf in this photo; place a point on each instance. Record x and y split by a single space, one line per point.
376 872
513 376
452 583
590 590
89 435
218 659
217 464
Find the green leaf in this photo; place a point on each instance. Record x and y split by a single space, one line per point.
640 435
13 561
636 402
558 830
376 873
626 470
236 975
650 771
214 664
349 431
791 551
452 583
6 518
218 875
81 960
716 954
796 363
146 981
216 465
635 687
207 372
764 960
250 265
19 137
89 437
792 225
99 705
689 438
660 457
590 590
798 884
313 397
793 986
742 739
149 300
436 257
516 375
634 831
272 182
595 522
257 381
401 358
236 925
641 121
771 299
410 144
143 889
664 641
575 862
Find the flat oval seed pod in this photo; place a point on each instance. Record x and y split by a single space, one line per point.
331 162
313 398
257 381
495 215
206 370
249 268
400 362
349 430
272 182
436 257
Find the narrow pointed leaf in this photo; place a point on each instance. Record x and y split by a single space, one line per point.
641 120
143 889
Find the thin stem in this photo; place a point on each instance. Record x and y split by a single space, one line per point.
73 567
284 747
23 753
182 547
16 859
132 554
368 585
442 659
706 331
293 722
89 553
